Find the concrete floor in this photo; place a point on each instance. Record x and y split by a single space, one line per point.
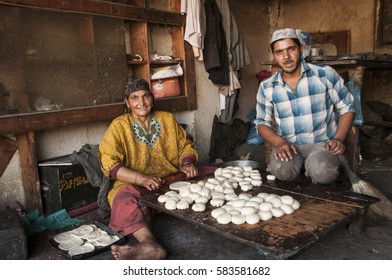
186 241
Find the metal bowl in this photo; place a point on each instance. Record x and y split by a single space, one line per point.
241 163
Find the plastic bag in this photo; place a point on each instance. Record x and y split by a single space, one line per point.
253 137
356 92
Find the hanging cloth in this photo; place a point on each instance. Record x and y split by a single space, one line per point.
215 52
193 30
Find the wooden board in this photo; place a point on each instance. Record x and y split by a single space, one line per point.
321 211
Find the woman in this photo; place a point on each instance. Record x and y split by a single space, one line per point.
138 149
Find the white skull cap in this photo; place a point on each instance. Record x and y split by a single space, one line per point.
287 33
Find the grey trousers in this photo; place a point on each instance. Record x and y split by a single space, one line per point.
319 164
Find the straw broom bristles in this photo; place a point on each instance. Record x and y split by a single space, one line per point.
376 211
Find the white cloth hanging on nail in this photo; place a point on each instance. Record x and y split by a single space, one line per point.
193 30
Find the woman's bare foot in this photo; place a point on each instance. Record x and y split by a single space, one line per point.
147 250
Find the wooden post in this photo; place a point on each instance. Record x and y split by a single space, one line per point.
30 177
352 141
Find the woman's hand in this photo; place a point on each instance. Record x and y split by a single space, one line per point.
150 182
190 170
336 146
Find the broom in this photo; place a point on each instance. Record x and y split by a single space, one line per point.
379 210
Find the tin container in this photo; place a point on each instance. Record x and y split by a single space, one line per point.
316 52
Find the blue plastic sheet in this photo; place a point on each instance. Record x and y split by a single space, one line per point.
34 223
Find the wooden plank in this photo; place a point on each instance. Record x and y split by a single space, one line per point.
51 119
102 8
321 211
8 147
30 178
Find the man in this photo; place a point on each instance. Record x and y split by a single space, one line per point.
305 112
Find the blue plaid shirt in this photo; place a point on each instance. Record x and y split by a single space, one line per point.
309 116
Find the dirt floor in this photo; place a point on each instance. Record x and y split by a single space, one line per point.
186 241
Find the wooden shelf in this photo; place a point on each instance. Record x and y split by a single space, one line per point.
135 62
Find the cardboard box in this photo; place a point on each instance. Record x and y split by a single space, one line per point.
13 241
64 184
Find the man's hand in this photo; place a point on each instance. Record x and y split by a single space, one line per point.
336 146
283 151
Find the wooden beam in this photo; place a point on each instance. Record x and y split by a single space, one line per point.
102 8
30 178
51 119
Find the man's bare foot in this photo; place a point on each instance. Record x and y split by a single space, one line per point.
147 250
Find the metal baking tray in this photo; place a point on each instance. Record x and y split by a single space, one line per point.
98 249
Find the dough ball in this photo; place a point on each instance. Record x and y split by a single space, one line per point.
286 199
233 212
265 215
247 168
270 196
183 204
195 188
201 199
253 204
213 181
256 199
163 198
245 196
231 196
171 193
236 172
224 218
295 204
210 186
265 206
219 188
255 176
277 212
171 204
217 202
233 183
194 196
228 190
227 169
201 183
227 175
262 195
252 218
190 200
238 203
287 209
238 178
198 207
276 202
246 187
228 207
256 182
238 219
248 179
184 192
218 171
205 192
248 210
220 178
217 195
216 212
227 184
271 177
